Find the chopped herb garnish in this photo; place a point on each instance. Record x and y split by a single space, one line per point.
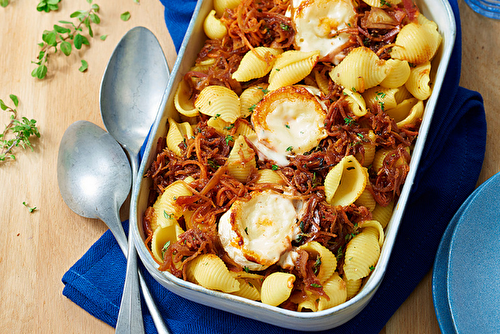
316 265
246 230
217 116
245 268
284 27
289 148
348 120
287 126
228 139
372 268
274 167
302 226
165 247
229 127
167 215
31 209
315 285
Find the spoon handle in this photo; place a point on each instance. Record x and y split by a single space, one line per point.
130 319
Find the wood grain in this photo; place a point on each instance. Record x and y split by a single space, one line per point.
36 249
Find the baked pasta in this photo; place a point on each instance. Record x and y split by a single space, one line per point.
291 144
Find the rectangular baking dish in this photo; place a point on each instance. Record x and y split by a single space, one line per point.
436 10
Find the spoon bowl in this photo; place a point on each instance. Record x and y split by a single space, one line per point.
94 175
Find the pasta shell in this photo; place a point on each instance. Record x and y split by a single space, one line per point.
276 288
402 94
361 254
256 63
356 102
416 43
380 155
321 81
221 5
366 199
209 271
241 161
383 214
248 289
269 176
250 97
213 27
336 290
352 287
418 82
380 96
398 71
308 304
219 101
177 134
416 113
345 182
402 110
166 211
381 3
324 257
183 102
369 148
291 67
377 226
361 69
163 237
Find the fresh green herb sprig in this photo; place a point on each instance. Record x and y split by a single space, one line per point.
17 132
65 37
48 5
4 3
30 208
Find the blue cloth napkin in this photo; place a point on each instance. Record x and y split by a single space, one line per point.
448 173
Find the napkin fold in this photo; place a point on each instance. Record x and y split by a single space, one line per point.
448 173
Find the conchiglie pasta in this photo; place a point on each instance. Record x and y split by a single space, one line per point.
213 27
402 94
416 43
163 237
369 153
398 71
336 290
402 110
183 102
177 134
361 254
352 287
276 288
250 97
418 82
345 182
360 70
256 63
366 199
291 67
241 161
166 211
220 102
416 113
377 226
356 102
381 3
221 5
209 271
326 260
269 176
380 156
321 81
310 303
380 97
383 214
248 289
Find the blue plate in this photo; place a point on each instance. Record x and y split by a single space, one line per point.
457 291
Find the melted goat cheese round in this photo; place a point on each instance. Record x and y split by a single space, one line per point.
317 23
257 232
288 121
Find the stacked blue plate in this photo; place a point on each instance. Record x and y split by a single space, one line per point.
466 275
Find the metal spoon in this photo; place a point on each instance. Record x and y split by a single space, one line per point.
131 92
94 176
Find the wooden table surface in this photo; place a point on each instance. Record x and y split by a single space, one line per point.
37 248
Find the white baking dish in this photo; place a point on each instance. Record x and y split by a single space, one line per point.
436 10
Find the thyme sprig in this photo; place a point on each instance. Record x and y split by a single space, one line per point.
17 132
65 37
